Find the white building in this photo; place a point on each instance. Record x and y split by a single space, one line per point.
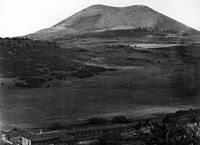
48 138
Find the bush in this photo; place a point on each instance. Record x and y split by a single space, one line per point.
96 120
120 119
138 126
165 134
89 71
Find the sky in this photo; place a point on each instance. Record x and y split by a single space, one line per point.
21 17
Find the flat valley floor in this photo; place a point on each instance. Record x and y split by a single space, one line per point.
147 78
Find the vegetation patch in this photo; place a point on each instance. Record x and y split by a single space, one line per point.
96 120
89 71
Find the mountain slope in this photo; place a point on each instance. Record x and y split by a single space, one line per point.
100 18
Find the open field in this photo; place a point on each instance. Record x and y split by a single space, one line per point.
35 106
151 45
141 83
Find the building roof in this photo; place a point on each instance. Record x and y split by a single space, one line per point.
45 136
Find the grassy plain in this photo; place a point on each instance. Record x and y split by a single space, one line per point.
142 82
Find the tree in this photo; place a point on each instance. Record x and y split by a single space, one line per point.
165 134
195 118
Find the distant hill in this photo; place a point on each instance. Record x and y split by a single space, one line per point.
98 18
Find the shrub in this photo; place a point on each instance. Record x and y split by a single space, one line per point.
194 118
96 120
164 134
138 126
120 119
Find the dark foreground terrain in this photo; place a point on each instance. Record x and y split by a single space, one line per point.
180 128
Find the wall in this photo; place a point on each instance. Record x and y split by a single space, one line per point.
26 141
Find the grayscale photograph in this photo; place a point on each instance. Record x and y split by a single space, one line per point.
99 72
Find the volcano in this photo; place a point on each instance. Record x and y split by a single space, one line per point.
98 18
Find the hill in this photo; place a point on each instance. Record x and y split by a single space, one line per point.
27 63
98 18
